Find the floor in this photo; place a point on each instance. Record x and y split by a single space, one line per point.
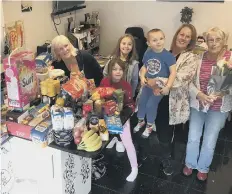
151 179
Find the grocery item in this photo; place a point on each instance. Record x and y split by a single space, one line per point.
21 79
57 115
60 101
98 107
94 122
78 130
114 124
90 142
42 133
39 118
109 107
119 97
104 92
68 119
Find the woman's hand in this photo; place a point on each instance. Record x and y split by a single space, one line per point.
165 90
205 99
229 64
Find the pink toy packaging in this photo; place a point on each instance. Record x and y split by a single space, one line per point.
21 80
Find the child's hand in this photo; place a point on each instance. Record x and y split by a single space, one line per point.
165 90
156 91
143 81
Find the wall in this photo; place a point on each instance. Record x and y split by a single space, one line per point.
38 25
117 16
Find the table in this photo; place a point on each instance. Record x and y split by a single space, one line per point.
55 169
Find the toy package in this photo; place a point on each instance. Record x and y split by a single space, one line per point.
21 79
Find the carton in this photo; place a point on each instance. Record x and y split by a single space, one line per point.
20 77
42 134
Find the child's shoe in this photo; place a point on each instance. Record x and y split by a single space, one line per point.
120 147
140 124
148 130
112 143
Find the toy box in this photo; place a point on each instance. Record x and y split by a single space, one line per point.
21 80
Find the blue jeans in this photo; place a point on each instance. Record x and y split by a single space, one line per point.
213 121
148 105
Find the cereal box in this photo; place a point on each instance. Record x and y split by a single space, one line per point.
21 80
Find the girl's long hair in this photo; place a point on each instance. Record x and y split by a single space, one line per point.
132 55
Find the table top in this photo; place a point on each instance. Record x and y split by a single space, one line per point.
72 148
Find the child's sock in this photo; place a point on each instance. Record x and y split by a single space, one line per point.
132 176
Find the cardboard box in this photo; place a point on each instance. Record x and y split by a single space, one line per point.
16 116
19 130
42 134
21 79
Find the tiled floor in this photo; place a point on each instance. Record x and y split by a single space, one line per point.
151 179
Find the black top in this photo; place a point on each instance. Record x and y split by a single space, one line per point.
86 62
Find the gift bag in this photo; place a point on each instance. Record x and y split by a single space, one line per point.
21 79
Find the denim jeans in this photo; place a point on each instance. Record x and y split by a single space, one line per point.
148 105
213 122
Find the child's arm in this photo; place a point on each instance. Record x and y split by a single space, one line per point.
165 90
142 74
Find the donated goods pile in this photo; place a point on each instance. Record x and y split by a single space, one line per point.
45 106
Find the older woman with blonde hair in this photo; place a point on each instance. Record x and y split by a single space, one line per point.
70 59
214 116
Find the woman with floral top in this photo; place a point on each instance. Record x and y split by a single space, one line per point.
174 109
207 110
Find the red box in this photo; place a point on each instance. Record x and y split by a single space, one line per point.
19 130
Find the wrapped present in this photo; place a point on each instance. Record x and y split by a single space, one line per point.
109 107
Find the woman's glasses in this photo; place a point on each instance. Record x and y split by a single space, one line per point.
211 41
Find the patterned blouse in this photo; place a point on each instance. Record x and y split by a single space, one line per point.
179 108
